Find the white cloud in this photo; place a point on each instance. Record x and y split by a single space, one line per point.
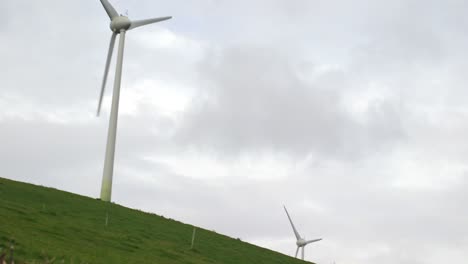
166 40
258 167
165 97
418 172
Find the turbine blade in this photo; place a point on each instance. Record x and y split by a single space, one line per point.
109 9
297 250
313 240
139 23
293 227
106 71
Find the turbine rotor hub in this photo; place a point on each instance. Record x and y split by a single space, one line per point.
301 242
120 23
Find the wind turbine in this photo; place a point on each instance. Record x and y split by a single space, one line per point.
119 25
301 242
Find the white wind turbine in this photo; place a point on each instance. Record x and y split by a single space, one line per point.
301 242
119 25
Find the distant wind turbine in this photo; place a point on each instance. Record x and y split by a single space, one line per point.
301 242
119 25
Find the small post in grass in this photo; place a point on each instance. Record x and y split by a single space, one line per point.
12 249
193 237
107 218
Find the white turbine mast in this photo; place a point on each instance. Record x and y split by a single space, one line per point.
301 242
119 25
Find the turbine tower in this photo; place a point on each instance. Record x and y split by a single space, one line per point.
119 25
300 242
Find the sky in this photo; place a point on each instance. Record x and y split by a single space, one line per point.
351 113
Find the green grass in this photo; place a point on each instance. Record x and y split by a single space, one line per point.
48 223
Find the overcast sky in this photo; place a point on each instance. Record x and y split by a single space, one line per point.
353 114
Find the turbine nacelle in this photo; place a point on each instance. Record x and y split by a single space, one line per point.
120 23
301 242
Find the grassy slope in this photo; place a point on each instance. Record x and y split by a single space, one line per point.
70 227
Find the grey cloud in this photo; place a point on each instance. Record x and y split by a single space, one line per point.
258 101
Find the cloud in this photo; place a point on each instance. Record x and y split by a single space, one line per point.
257 101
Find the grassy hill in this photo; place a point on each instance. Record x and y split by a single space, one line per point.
47 223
